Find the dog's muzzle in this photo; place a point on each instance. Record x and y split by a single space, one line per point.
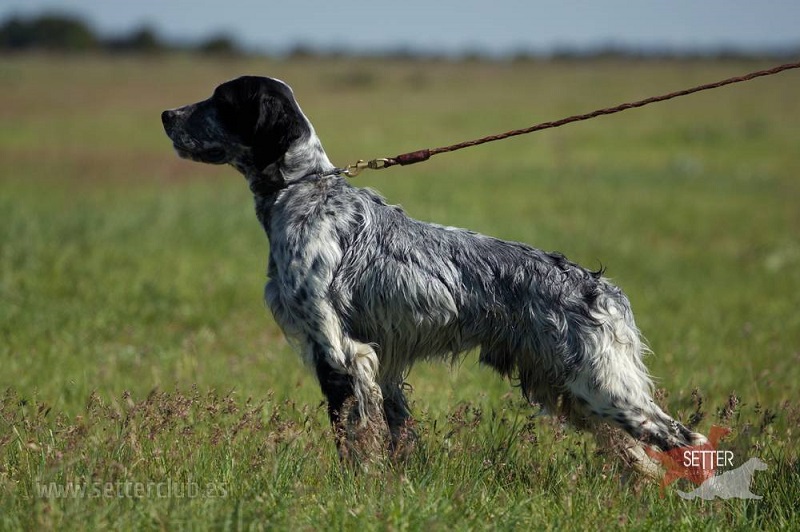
186 150
169 118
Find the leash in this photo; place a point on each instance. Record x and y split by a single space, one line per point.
419 156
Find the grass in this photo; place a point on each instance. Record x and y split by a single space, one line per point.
137 355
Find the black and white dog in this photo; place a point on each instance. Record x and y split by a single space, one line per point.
364 291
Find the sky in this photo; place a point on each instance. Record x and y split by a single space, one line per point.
447 26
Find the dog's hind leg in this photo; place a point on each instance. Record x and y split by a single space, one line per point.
641 422
612 385
398 417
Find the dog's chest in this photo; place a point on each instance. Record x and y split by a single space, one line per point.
305 250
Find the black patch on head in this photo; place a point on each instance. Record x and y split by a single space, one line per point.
262 112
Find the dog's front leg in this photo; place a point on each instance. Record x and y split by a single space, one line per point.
355 402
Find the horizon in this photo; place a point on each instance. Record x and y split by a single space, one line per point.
449 28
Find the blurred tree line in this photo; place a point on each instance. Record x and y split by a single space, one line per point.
61 32
67 33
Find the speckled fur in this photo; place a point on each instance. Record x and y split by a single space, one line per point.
364 291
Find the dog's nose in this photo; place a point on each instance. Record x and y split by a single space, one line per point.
166 117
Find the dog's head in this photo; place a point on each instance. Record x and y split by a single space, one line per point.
249 122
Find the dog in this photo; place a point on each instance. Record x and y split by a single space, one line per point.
363 290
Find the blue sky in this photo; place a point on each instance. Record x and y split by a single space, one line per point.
448 26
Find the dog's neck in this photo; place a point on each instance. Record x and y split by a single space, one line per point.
305 157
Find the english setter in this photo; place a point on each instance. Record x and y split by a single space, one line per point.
364 291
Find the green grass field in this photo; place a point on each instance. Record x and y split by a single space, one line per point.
138 360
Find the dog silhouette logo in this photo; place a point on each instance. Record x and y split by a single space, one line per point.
733 484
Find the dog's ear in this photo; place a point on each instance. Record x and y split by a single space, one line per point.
263 113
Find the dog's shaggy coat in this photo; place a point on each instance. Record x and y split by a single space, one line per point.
364 291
